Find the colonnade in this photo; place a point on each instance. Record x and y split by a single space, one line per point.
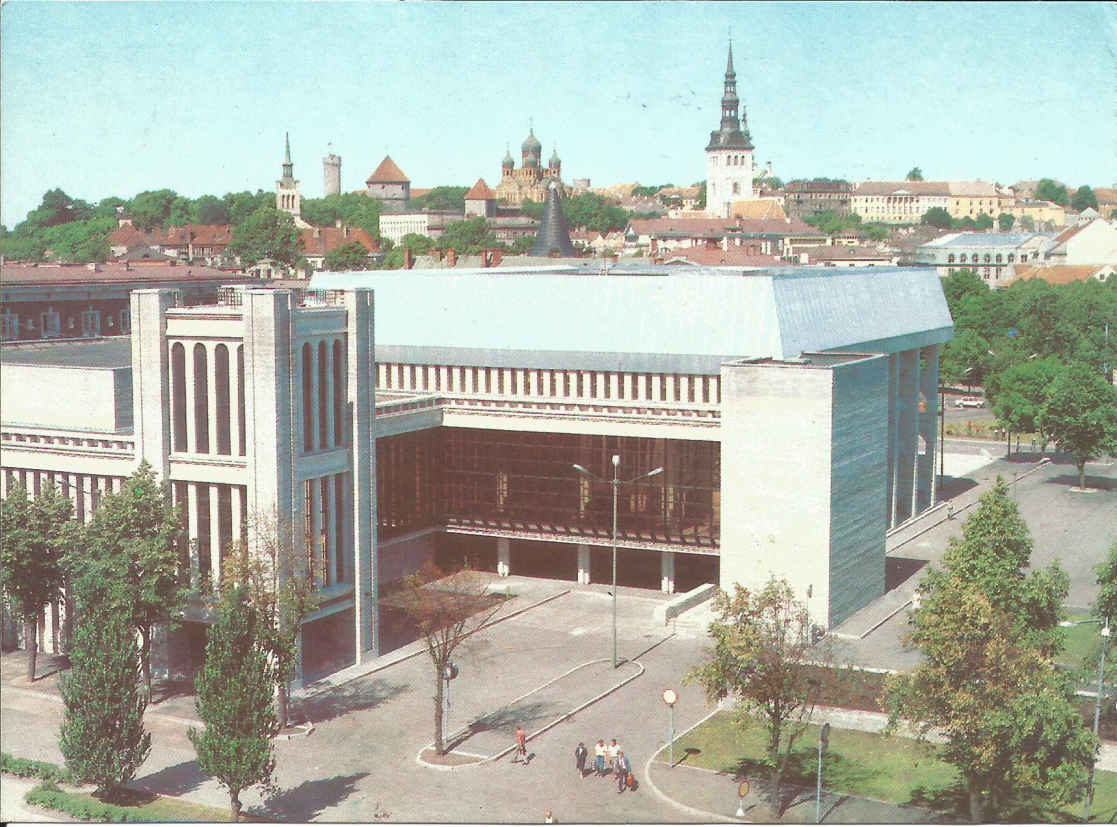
207 397
912 421
666 564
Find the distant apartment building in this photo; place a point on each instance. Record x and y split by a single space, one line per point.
1042 213
804 199
905 202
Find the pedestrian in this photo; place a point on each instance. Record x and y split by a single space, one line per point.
521 744
623 768
611 754
548 818
599 751
580 759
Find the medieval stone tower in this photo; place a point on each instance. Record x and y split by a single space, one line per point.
331 174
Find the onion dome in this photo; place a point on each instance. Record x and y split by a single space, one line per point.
531 144
508 162
554 162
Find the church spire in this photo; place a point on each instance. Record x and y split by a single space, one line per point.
288 167
732 133
729 73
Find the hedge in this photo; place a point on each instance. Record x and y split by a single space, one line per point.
33 769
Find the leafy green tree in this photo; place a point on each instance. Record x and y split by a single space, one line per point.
352 208
1005 221
131 552
267 234
209 209
234 701
34 534
760 656
242 204
701 203
348 256
1049 190
441 199
23 248
152 209
102 737
936 217
468 237
1027 224
56 208
915 174
1106 603
988 632
282 590
966 359
832 223
1081 415
984 222
964 223
1019 394
1083 198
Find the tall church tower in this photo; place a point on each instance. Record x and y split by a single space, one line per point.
287 197
729 153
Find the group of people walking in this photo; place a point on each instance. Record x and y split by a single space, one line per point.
608 759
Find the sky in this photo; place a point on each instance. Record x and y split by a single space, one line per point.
111 99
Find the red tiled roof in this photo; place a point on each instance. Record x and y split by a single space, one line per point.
913 187
1058 273
204 235
112 273
1067 234
317 241
127 235
388 173
480 192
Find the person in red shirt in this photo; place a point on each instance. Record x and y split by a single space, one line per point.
521 744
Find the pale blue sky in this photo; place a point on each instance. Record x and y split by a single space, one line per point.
111 99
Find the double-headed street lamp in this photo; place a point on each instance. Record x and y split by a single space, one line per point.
1097 701
615 482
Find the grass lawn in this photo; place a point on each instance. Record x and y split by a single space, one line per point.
895 769
135 805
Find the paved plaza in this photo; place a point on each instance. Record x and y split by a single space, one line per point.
546 665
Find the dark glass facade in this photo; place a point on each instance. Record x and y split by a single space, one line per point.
474 478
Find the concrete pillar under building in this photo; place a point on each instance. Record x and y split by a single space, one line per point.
216 541
211 397
503 557
192 532
191 386
583 564
907 432
893 431
926 490
667 572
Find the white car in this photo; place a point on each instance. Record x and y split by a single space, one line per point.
969 402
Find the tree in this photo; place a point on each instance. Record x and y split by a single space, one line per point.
988 633
242 204
1019 393
209 209
281 589
936 217
468 237
966 359
983 222
234 701
1049 190
152 208
1081 415
267 234
348 256
33 537
102 737
1027 224
1084 198
915 174
441 199
132 553
447 610
1005 221
1106 603
760 653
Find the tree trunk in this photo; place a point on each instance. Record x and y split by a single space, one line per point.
281 704
145 657
439 746
32 647
977 803
1081 474
234 805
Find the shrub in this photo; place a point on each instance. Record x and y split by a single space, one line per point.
48 795
25 768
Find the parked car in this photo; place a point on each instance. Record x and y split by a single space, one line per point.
969 402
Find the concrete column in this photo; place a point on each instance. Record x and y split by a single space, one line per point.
667 572
3 484
573 376
907 430
117 484
583 564
235 383
893 432
614 386
313 414
315 506
926 490
236 509
211 397
331 535
671 382
216 540
191 381
151 377
503 557
329 412
192 531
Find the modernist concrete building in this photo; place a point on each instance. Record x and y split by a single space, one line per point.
792 412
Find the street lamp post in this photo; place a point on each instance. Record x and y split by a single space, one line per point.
669 698
1097 703
615 482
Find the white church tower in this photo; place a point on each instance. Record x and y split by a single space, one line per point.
729 154
287 196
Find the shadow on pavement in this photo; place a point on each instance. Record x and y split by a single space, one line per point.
177 779
1071 481
525 714
355 696
955 486
898 569
306 801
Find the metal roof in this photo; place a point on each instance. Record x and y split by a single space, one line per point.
691 314
110 352
980 240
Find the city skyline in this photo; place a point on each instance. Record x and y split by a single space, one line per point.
108 99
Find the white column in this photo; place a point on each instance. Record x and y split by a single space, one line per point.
192 530
316 526
74 484
628 386
116 483
191 381
614 386
312 415
667 572
235 380
236 507
216 541
211 395
583 564
331 535
503 557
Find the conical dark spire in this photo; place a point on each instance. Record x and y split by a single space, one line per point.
732 134
554 233
729 73
288 167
